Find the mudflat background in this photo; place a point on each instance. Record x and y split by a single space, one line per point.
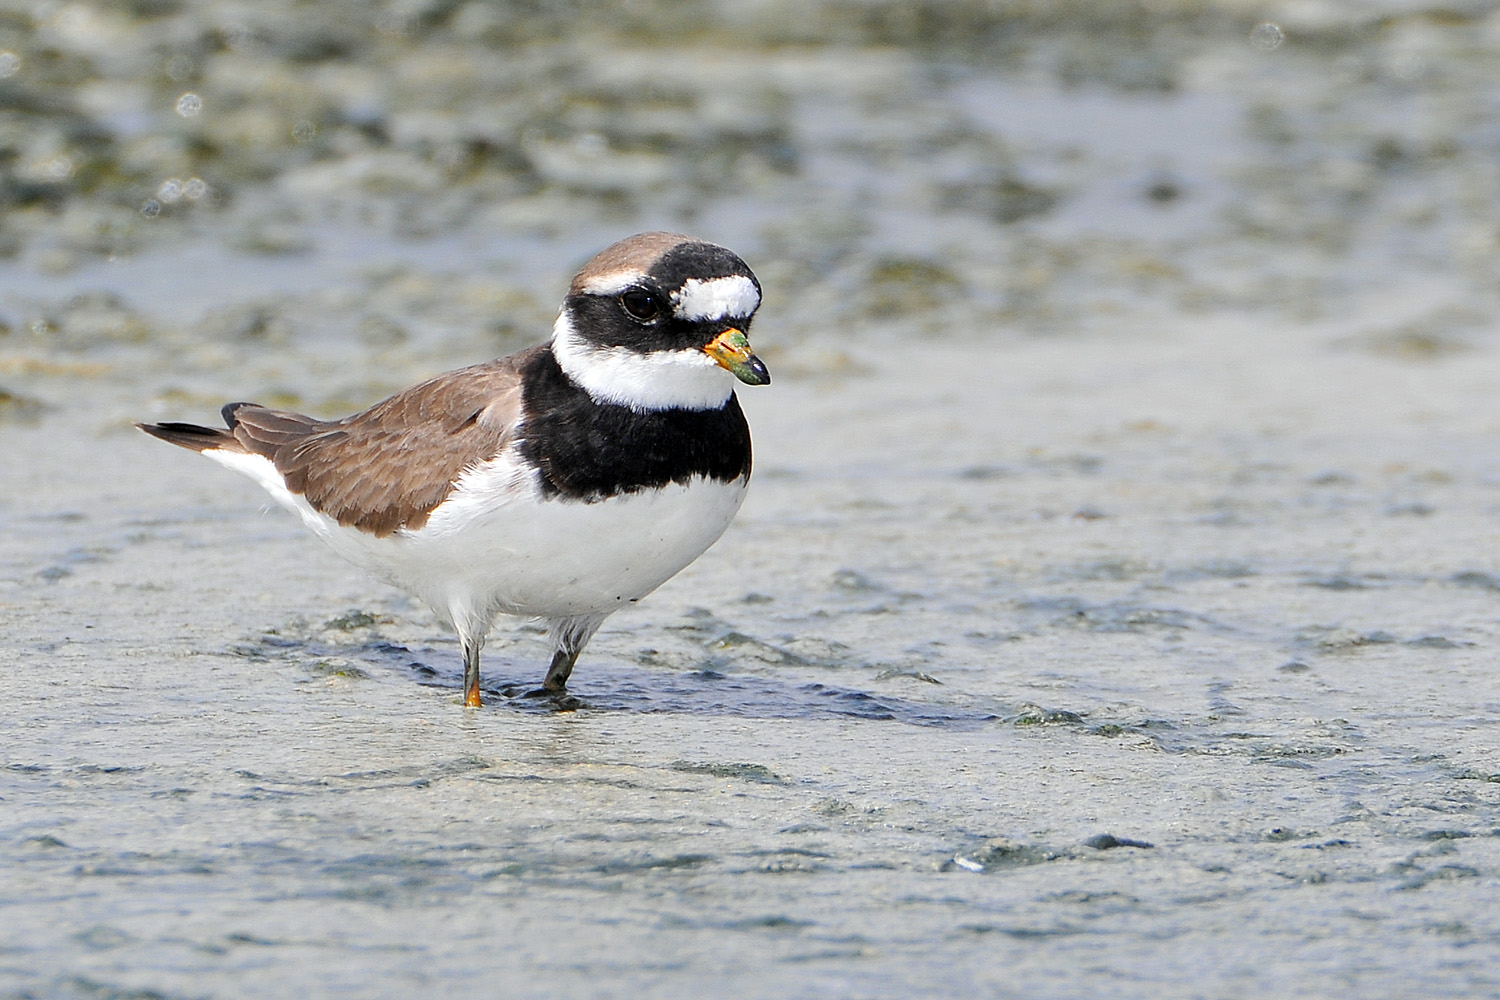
1116 607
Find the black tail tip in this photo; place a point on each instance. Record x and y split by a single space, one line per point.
187 435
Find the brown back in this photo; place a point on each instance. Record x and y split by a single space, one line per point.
389 466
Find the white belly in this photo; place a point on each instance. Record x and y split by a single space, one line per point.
496 546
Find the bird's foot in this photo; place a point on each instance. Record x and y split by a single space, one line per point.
561 700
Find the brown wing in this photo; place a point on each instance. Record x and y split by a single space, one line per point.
389 466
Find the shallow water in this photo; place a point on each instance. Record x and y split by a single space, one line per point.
1114 606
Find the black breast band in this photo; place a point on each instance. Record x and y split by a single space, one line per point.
588 450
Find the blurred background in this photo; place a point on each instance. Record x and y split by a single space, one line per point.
275 185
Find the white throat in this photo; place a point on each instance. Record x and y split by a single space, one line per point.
666 380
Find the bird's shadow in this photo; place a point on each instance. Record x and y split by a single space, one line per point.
612 686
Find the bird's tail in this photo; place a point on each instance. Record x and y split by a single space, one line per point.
192 436
200 438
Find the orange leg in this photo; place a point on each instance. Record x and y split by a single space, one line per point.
471 676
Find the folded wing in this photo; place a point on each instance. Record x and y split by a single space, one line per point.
387 467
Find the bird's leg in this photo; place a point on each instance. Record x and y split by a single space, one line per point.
569 636
562 666
471 674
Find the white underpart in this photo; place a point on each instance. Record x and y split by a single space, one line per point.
495 546
716 298
662 380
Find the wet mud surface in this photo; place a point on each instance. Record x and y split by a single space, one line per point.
1115 607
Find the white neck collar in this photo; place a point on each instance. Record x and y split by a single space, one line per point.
667 380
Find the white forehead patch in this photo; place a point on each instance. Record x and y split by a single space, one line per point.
716 298
612 283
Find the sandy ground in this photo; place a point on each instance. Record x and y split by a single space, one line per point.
1221 594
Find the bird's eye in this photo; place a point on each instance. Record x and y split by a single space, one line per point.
641 304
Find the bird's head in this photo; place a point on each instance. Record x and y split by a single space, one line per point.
660 321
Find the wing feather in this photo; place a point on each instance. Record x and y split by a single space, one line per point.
390 466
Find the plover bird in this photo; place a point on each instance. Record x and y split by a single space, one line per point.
561 483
